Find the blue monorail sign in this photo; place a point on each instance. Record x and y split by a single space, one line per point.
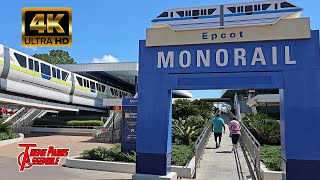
291 64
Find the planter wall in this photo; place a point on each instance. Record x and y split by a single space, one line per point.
266 174
121 167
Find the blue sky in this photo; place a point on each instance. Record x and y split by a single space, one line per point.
105 30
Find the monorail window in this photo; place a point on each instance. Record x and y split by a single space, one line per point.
21 59
259 7
79 81
249 8
45 69
265 6
88 85
112 91
92 85
195 13
30 62
286 5
164 14
189 12
64 75
103 88
58 74
276 6
180 13
210 11
255 7
36 66
239 9
205 12
85 83
232 9
171 14
54 72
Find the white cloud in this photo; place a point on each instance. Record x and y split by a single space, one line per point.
34 48
105 59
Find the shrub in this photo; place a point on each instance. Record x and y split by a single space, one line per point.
265 129
85 123
5 127
181 154
187 131
4 136
271 157
111 154
63 122
54 122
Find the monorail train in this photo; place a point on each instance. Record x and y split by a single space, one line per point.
230 15
24 74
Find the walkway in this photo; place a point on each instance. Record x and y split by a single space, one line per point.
221 163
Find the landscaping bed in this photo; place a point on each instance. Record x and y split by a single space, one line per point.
271 157
267 131
181 154
6 131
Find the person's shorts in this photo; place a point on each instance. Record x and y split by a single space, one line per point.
217 135
235 138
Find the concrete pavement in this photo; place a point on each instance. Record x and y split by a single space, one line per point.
222 164
9 169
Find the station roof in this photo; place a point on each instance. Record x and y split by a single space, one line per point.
264 99
119 74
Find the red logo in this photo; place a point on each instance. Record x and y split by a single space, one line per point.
33 156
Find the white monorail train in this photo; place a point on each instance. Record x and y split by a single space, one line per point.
230 15
24 74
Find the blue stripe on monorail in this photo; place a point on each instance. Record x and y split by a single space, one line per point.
228 15
45 77
184 18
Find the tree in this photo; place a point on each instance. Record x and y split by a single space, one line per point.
204 108
183 108
56 57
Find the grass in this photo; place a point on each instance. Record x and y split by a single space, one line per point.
271 157
181 154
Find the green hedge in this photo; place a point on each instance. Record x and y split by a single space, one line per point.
181 154
85 123
6 136
61 122
271 157
55 122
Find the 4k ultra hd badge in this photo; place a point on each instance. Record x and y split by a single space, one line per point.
46 26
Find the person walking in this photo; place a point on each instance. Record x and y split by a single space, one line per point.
218 128
234 128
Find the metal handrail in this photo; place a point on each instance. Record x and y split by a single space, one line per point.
256 142
14 115
251 144
200 145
